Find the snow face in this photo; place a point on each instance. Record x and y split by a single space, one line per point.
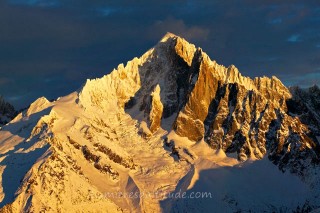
126 141
252 186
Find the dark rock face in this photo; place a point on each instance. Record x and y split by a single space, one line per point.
305 104
172 74
7 112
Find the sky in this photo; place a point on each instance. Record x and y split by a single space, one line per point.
50 47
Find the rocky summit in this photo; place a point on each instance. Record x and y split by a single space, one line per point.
171 121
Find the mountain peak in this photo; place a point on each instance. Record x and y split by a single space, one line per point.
38 105
167 36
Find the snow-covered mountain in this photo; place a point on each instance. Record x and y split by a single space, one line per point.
7 111
170 122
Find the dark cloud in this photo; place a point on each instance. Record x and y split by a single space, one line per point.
38 3
49 47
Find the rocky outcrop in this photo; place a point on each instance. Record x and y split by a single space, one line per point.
7 111
305 104
156 110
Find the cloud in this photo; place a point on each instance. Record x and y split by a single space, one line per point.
16 98
276 21
178 27
307 80
37 3
4 81
294 38
106 11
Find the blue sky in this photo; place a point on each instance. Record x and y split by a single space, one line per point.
49 47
